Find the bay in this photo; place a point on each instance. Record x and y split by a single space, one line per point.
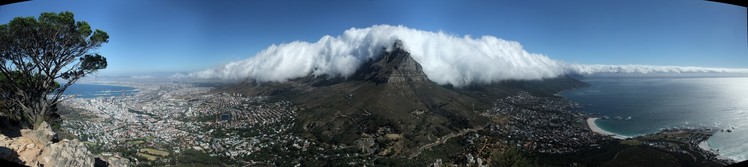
641 105
96 90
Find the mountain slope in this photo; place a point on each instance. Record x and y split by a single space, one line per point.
389 106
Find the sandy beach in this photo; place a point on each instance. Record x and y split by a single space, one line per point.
594 128
704 146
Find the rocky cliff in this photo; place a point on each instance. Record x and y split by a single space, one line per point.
396 67
38 148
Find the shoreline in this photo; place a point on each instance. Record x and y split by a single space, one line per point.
108 84
134 90
704 145
593 126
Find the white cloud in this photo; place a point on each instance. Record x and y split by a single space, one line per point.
142 77
446 58
178 76
646 69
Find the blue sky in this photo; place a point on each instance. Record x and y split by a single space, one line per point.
184 35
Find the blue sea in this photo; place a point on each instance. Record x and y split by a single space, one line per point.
641 105
95 90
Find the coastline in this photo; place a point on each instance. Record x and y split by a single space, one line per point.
704 145
596 129
108 84
109 92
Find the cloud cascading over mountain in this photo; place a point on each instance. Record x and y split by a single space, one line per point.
445 58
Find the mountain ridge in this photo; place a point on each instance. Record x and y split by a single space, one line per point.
390 96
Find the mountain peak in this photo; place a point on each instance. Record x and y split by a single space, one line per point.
389 94
397 45
396 66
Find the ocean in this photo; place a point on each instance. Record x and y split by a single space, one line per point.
95 90
641 105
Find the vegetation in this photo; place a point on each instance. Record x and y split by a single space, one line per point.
36 52
196 158
140 112
631 142
136 142
147 156
155 152
510 157
633 156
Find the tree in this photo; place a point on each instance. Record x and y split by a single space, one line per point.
36 54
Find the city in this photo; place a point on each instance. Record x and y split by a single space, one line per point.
373 83
173 123
165 119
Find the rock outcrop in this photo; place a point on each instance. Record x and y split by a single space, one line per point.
114 161
36 148
66 153
396 67
10 149
43 134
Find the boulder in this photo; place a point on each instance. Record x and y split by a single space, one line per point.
66 153
42 134
37 148
6 153
25 150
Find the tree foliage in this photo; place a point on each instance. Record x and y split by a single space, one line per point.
510 157
40 58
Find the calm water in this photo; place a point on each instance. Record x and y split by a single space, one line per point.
93 90
655 103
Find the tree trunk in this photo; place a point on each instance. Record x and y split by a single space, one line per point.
35 113
41 112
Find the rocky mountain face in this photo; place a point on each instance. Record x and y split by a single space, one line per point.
396 67
38 148
389 107
65 153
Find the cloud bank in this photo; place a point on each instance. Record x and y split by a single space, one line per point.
446 59
645 69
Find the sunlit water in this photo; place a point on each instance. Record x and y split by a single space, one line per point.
94 90
656 103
